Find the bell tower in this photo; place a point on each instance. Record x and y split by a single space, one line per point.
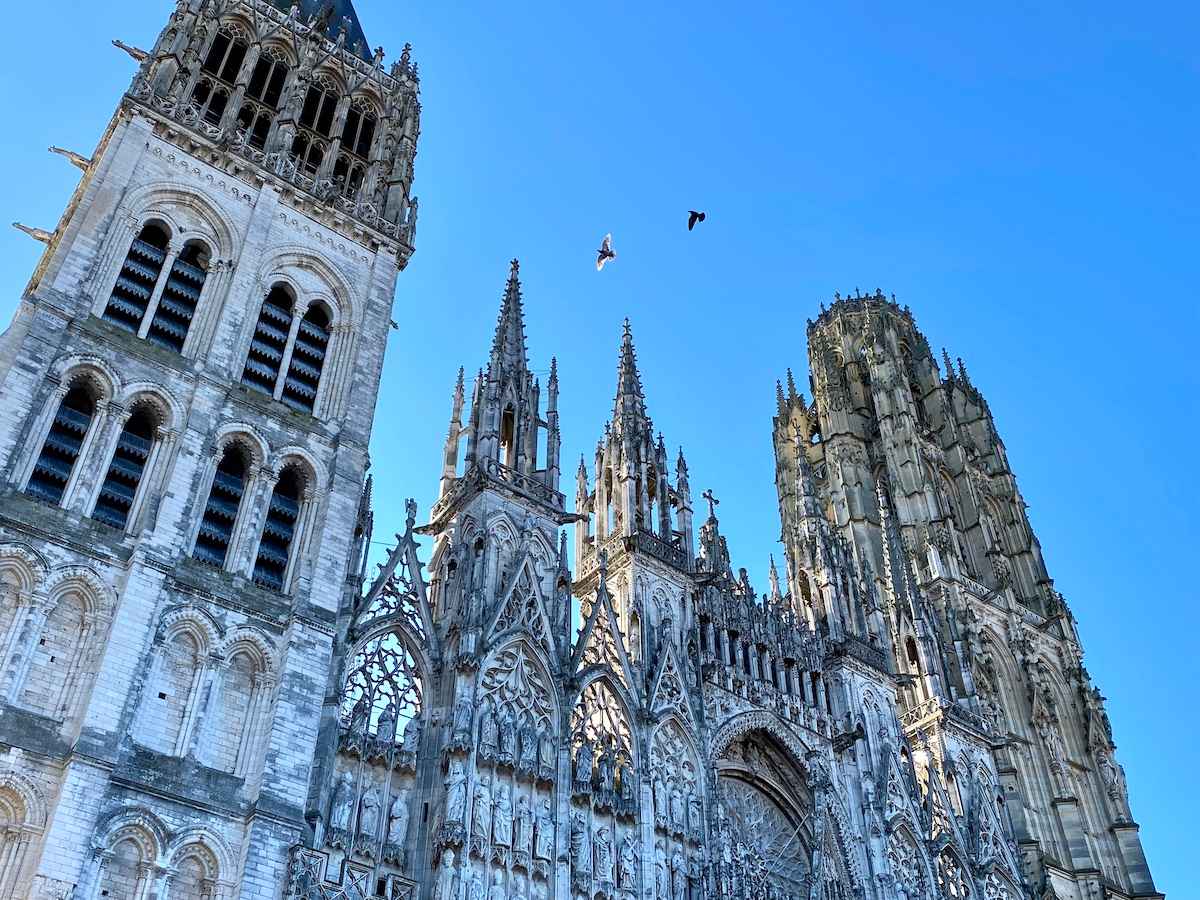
188 390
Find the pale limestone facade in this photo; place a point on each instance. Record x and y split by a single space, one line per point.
202 697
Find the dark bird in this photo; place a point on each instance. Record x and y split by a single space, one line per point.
693 218
605 253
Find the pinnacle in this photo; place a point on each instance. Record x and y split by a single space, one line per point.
508 346
629 400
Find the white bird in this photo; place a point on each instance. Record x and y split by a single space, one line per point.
605 253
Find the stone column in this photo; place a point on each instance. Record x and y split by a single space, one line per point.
173 250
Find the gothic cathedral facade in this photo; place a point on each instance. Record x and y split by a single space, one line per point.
203 696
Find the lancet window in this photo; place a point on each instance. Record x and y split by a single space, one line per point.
279 531
358 134
61 448
119 489
219 74
383 691
316 126
263 94
221 509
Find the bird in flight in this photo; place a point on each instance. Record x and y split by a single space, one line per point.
693 218
605 253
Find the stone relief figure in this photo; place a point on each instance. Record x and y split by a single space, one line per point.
583 764
678 875
503 827
606 768
695 814
544 844
444 889
489 741
497 891
456 794
662 879
628 787
359 715
677 814
508 737
478 891
412 736
604 861
398 819
660 798
627 864
482 813
341 809
581 844
546 752
368 817
529 748
462 719
518 892
385 728
524 829
538 892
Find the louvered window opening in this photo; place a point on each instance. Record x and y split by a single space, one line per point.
125 471
137 279
60 452
308 358
261 103
274 548
177 305
220 512
269 343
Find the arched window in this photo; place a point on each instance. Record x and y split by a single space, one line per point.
138 278
195 875
121 876
316 126
180 293
279 530
60 450
119 489
221 510
269 344
234 712
358 135
219 74
55 657
263 93
307 359
19 828
168 694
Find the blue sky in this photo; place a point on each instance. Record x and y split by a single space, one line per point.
1024 178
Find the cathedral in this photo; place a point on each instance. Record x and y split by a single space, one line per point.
206 695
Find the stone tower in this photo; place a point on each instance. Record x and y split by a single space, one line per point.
898 469
188 387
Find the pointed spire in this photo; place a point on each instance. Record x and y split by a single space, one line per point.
508 346
962 372
779 400
773 579
630 401
947 364
791 384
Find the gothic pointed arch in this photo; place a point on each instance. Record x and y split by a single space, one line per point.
522 608
600 644
668 689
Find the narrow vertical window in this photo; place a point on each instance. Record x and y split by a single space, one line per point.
358 134
263 95
126 469
274 550
221 510
270 341
308 358
177 305
219 76
136 282
60 451
316 126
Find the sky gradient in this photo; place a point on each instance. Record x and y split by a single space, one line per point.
1025 179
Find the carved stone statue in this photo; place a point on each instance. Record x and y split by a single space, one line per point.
488 734
368 817
508 737
695 814
627 864
529 748
462 719
412 736
546 752
456 794
518 892
677 814
581 844
524 827
341 810
503 827
385 728
604 860
543 847
444 890
678 876
628 787
583 763
660 797
398 819
359 715
661 877
497 891
478 892
606 767
482 813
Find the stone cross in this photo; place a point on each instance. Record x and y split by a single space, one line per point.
713 503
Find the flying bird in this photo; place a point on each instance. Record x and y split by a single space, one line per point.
605 253
693 218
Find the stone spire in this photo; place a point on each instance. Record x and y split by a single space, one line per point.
629 406
508 345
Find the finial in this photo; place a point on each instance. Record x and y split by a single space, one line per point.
791 382
603 565
780 402
962 371
514 267
628 328
406 55
713 503
948 364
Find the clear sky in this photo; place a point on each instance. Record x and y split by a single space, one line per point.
1025 178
